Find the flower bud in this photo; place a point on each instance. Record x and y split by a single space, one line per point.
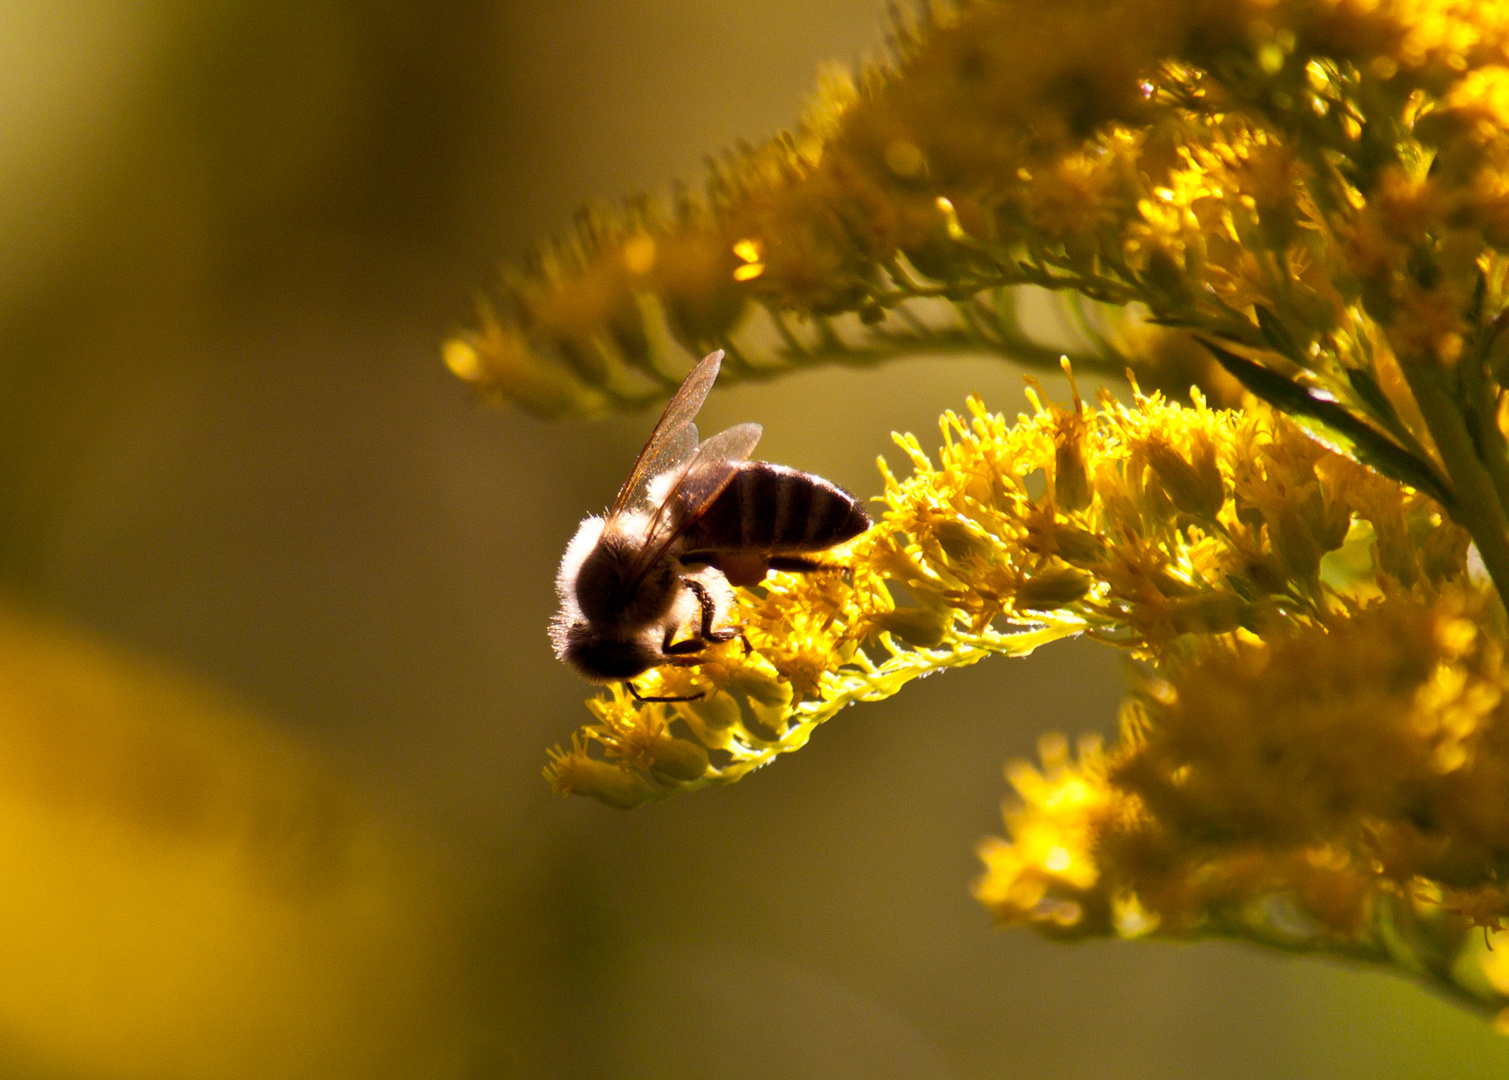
1166 274
1053 589
1071 474
678 759
767 722
711 718
959 542
1078 546
1294 543
1211 613
1195 488
920 628
694 278
616 785
499 363
1443 550
760 685
1392 551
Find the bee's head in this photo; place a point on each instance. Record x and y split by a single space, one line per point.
604 659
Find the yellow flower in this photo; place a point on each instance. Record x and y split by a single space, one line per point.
1046 875
1299 206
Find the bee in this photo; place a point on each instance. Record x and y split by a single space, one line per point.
691 520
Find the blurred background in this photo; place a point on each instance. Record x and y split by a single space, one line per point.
274 684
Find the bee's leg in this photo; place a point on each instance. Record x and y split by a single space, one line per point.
799 564
706 632
637 696
681 653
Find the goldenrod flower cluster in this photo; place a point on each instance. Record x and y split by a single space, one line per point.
1305 202
1139 524
1338 787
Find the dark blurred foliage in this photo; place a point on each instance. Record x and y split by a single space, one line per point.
232 237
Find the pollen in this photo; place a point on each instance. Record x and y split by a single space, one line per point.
749 250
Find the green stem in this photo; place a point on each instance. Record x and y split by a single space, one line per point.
1481 398
1398 937
1478 508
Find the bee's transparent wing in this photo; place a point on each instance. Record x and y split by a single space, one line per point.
675 436
711 470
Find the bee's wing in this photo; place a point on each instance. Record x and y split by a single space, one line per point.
675 436
711 470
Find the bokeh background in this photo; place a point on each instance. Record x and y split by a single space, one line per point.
274 684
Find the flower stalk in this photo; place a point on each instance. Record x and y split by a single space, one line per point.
1290 221
1478 504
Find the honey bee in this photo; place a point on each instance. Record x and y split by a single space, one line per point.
691 519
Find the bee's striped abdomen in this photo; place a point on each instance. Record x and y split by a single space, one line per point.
776 510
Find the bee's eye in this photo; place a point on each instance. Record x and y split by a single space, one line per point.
599 582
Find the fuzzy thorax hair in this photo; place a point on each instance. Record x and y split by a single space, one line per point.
598 608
